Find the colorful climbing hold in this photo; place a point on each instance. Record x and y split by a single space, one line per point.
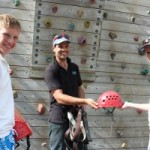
17 3
48 23
80 13
132 19
105 15
144 71
83 60
48 59
87 24
92 1
54 9
136 38
82 40
112 35
112 56
71 26
148 12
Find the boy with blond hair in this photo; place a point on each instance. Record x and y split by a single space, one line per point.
9 32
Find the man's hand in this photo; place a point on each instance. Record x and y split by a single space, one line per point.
92 103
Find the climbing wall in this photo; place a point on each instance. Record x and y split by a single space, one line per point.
80 20
105 36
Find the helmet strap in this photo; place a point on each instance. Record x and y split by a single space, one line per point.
110 112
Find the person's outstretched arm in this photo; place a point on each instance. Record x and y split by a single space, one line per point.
145 106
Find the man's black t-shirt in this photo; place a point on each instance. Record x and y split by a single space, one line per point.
68 81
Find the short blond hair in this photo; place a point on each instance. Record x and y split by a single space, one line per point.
8 21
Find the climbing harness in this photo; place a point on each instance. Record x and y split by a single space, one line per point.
22 129
78 129
76 126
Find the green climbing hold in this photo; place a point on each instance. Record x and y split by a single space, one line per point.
117 89
17 3
48 59
144 71
148 12
71 26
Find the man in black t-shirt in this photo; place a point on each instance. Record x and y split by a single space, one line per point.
65 86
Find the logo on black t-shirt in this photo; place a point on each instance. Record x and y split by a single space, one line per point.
74 72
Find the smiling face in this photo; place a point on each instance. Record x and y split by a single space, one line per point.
61 51
8 39
10 28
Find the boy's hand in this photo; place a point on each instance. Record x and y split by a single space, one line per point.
125 105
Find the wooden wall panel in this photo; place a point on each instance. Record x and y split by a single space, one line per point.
87 51
23 48
30 6
124 68
92 39
122 38
127 17
122 58
125 27
87 62
123 89
19 13
20 60
127 8
137 2
45 8
83 3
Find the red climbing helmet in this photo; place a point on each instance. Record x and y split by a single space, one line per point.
110 99
22 129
